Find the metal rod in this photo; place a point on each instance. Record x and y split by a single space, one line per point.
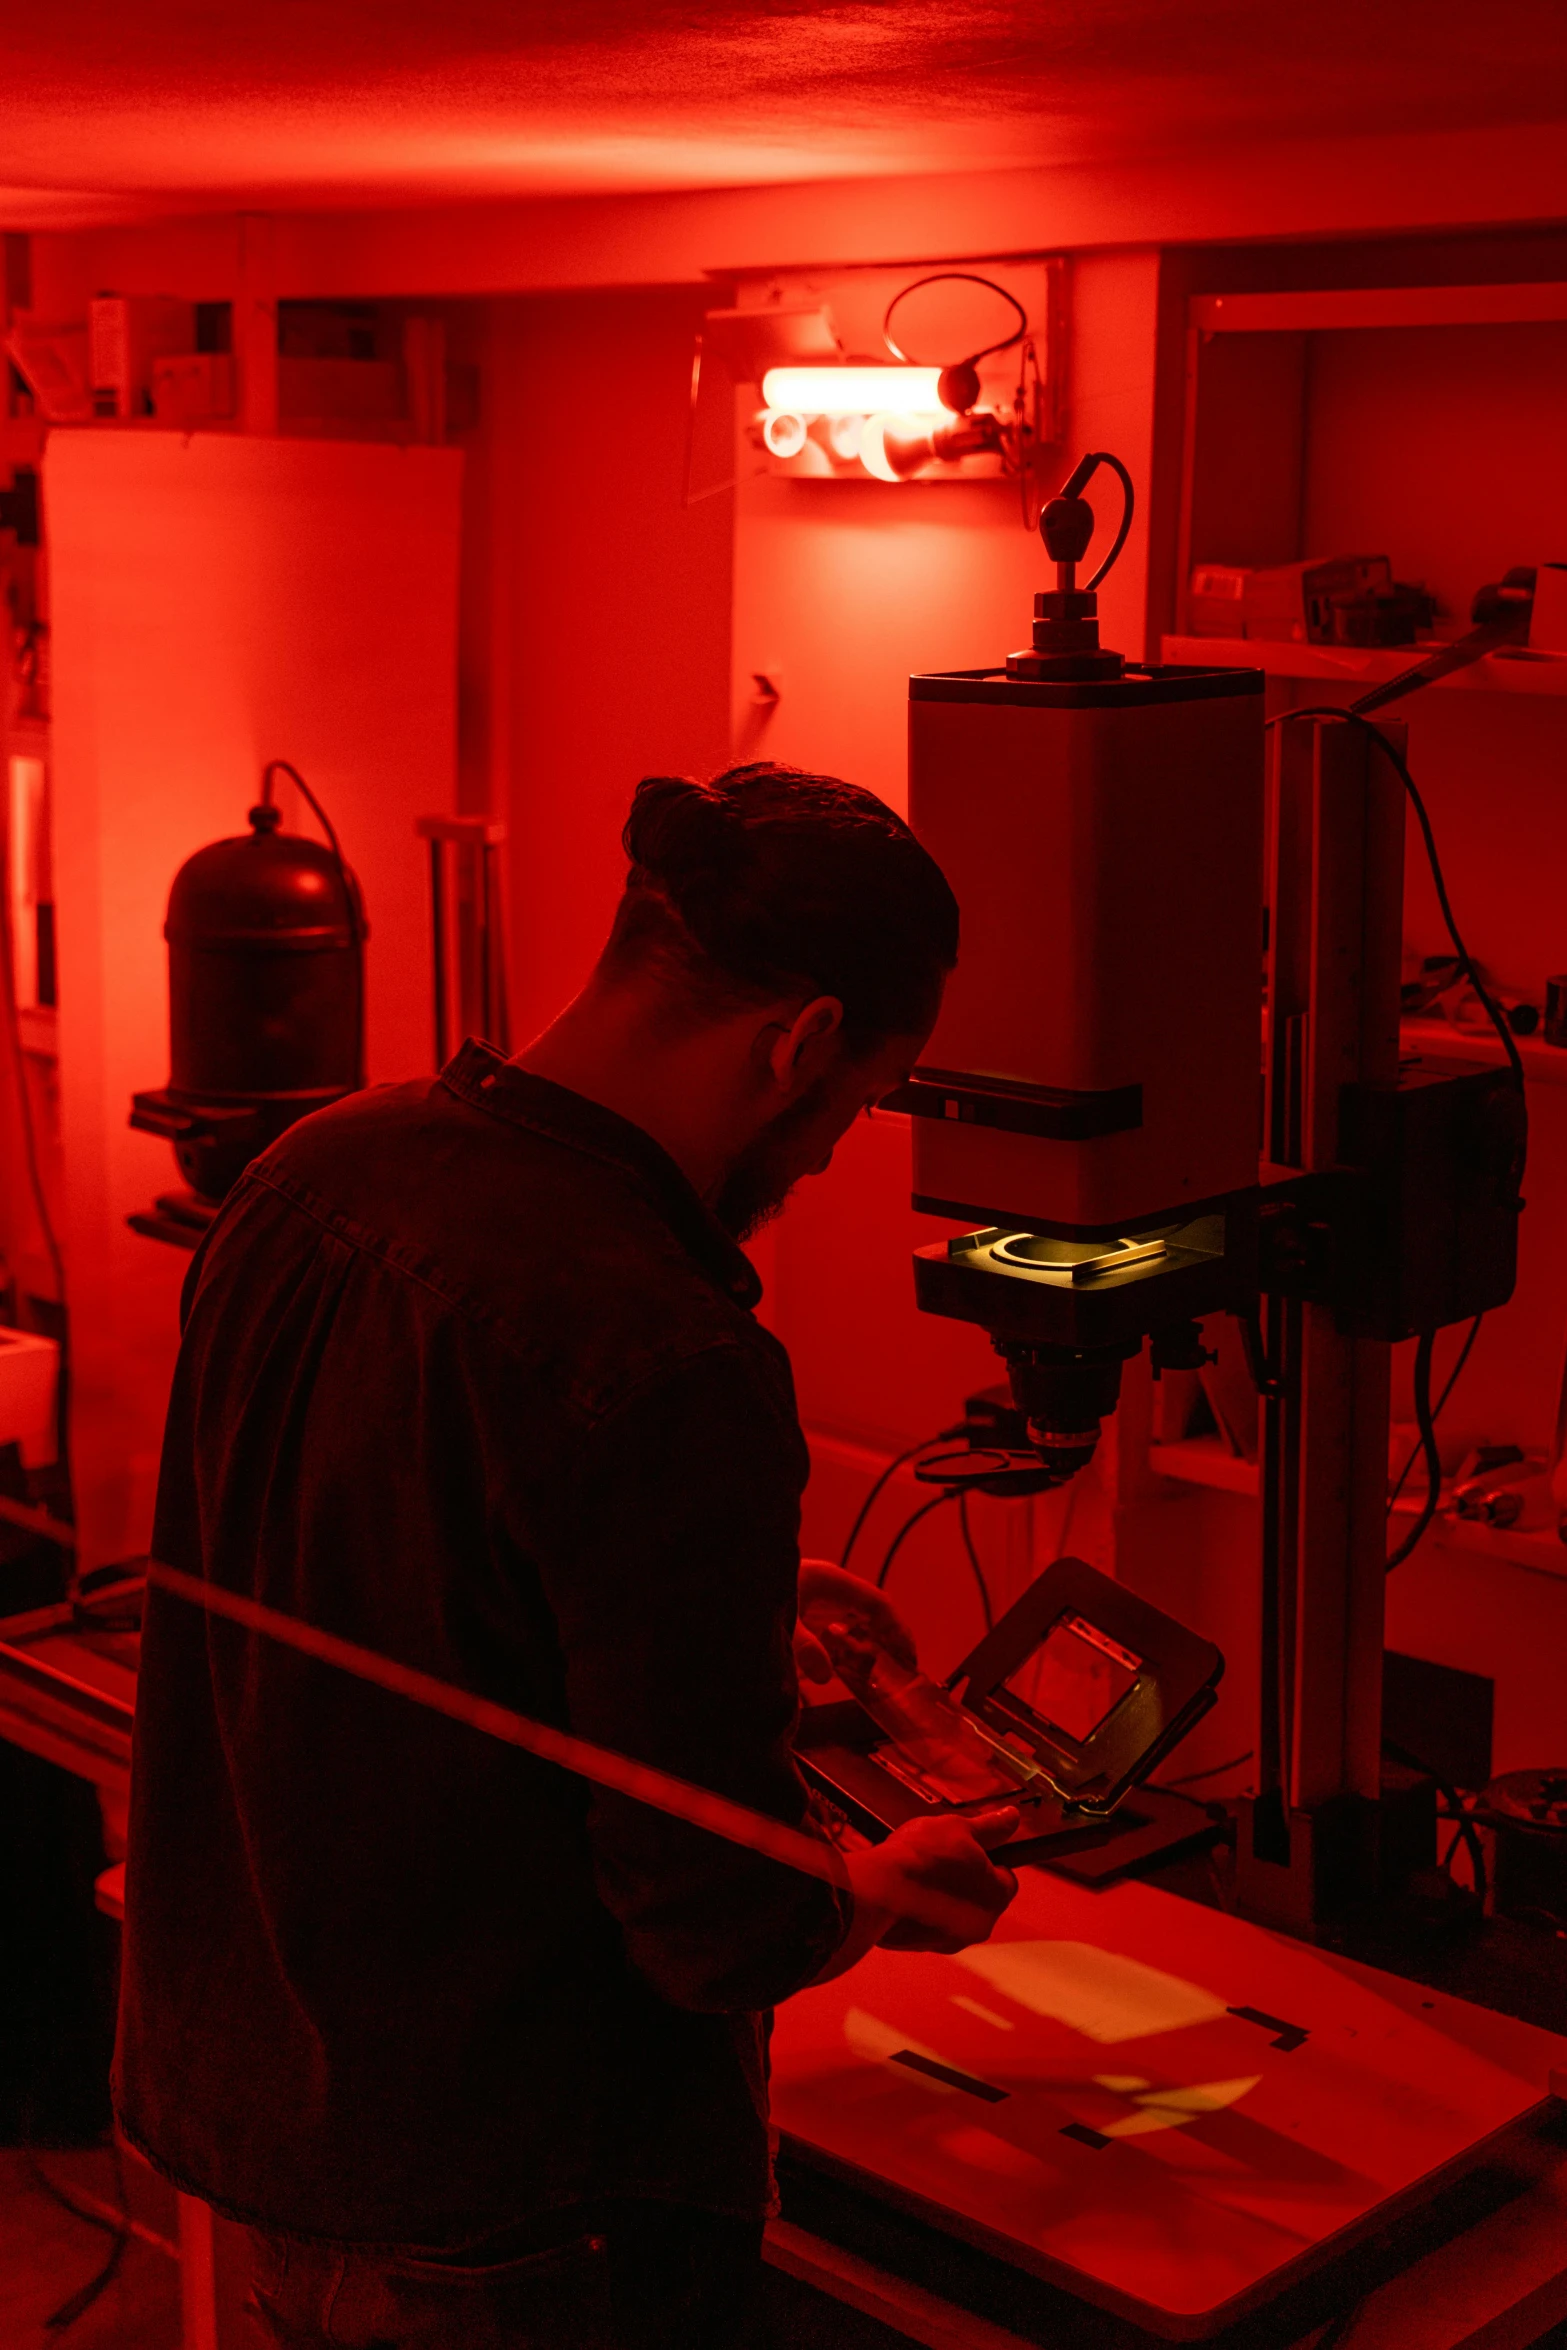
438 939
699 1807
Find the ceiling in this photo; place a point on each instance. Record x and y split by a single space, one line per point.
339 102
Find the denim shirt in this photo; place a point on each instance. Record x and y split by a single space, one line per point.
469 1375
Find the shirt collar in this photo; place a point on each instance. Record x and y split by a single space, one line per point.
478 1074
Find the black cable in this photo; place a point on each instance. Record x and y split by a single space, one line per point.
1190 1778
973 1558
83 2298
1082 474
358 929
1425 1421
1437 1409
965 277
942 1436
907 1528
1456 1809
1466 962
1425 1417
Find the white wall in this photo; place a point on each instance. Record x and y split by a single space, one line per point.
218 601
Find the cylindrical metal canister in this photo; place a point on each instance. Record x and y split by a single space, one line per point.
266 991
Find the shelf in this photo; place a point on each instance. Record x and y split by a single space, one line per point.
1544 1064
1513 672
1521 1546
1526 302
1203 1460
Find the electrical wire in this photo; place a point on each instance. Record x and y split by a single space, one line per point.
1466 961
1191 1778
1437 1409
1425 1421
1425 1415
964 277
942 1436
1082 474
973 1558
1456 1809
83 2298
358 928
953 1493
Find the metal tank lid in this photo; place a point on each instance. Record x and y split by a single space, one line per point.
264 887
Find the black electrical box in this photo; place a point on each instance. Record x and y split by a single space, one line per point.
1434 1238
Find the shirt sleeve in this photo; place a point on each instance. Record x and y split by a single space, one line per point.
675 1611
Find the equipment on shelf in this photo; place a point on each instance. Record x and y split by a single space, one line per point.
266 933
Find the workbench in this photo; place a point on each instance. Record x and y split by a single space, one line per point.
1130 2118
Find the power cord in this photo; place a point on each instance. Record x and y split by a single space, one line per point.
358 928
973 1558
1466 961
951 1493
1082 473
1192 1778
1425 1414
1457 1811
119 2230
1437 1408
1425 1421
942 1436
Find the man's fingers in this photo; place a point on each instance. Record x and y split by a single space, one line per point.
824 1583
811 1660
991 1828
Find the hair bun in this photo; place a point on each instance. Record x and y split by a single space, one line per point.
683 835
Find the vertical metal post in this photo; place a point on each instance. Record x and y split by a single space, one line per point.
439 950
467 931
1336 921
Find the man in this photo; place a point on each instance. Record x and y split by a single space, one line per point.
470 1375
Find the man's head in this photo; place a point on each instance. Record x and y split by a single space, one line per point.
802 918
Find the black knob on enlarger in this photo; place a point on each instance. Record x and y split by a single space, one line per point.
1066 526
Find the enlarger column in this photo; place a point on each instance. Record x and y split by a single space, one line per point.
1335 866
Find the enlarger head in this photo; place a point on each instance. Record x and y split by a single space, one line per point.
1089 1096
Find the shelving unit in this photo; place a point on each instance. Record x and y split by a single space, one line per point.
1544 1064
1204 1460
1520 671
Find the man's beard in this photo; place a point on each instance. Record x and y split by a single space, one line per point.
759 1183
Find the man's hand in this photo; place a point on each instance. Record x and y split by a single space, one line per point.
821 1583
930 1886
947 1857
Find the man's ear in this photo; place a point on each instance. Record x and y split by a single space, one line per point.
802 1050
